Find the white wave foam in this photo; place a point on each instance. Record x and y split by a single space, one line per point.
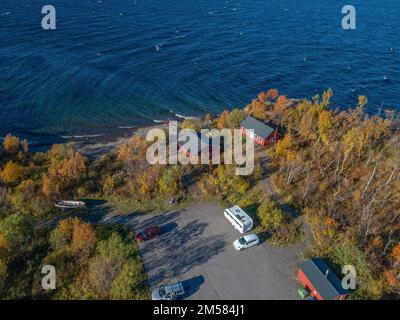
85 136
184 117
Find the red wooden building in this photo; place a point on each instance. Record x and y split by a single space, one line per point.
199 143
259 132
322 283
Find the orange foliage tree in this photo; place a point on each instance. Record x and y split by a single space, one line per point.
396 253
280 102
64 174
272 94
221 124
83 238
75 235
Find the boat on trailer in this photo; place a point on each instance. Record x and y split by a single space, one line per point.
67 204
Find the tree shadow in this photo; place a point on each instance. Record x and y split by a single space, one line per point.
179 250
251 210
96 212
290 210
192 285
93 202
164 220
168 227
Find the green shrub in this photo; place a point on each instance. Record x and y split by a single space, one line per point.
270 216
288 234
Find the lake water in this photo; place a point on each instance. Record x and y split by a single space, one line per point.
118 64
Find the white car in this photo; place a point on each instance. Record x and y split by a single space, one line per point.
246 241
168 292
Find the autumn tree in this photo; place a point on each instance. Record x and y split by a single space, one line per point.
234 118
51 187
12 172
74 235
15 229
23 196
396 253
170 181
132 155
272 94
64 174
190 124
222 120
109 185
83 238
104 267
280 102
73 170
283 148
324 125
129 284
11 143
262 97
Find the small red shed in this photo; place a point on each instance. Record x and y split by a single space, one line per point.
321 281
199 143
259 132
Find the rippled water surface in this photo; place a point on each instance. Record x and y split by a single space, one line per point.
113 64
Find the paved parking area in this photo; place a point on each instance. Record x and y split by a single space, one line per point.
196 247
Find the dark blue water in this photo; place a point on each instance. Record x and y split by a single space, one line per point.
116 64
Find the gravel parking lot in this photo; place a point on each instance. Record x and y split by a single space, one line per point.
196 247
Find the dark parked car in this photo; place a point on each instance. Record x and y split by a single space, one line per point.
148 233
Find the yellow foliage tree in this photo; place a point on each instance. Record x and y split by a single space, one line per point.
324 125
190 124
283 147
3 243
11 143
12 172
73 169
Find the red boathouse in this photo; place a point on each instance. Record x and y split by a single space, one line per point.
262 134
323 284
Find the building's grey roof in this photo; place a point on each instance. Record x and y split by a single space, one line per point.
260 129
328 287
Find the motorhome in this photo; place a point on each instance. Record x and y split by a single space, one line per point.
239 219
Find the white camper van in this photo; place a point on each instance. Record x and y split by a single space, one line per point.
239 219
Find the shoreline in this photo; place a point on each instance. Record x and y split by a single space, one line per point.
91 140
94 147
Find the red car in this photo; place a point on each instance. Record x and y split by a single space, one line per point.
148 233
